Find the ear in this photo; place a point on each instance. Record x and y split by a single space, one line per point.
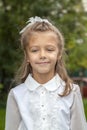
27 60
59 57
26 57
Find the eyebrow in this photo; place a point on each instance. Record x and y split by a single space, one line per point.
33 47
51 46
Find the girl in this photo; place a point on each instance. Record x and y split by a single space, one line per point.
46 98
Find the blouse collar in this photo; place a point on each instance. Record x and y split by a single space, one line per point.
51 85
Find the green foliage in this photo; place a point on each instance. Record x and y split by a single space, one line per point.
2 118
85 106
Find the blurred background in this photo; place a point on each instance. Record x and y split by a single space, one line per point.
70 16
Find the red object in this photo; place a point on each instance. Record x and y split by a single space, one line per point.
84 91
82 81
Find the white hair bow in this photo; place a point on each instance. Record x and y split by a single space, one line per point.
33 20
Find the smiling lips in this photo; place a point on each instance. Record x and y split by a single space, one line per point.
43 63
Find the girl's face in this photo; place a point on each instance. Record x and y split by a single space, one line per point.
43 52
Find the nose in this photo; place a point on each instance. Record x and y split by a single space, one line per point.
42 54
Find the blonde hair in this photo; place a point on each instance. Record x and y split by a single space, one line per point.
26 68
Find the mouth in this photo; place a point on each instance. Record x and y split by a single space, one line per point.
43 63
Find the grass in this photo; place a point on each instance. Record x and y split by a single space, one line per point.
85 106
2 113
2 118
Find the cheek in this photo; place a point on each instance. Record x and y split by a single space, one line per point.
32 58
54 58
55 55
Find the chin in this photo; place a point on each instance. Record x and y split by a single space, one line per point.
44 72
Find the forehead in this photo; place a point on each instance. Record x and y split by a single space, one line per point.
43 36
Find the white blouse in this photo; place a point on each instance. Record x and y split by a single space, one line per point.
34 106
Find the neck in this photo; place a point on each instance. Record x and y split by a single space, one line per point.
43 78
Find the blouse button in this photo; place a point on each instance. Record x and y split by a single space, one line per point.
43 118
42 92
42 105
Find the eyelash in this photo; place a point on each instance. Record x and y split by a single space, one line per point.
50 50
46 49
34 50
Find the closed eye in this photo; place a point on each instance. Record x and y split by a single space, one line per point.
50 49
34 50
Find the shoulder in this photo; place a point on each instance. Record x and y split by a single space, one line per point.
75 87
76 92
20 88
18 91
